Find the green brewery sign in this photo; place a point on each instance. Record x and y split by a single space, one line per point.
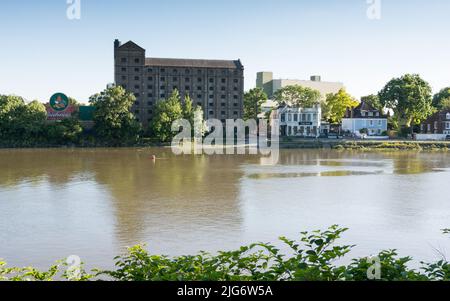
59 102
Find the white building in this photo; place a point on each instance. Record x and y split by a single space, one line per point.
365 117
299 122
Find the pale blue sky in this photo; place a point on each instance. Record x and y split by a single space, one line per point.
43 52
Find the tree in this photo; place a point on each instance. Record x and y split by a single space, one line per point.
374 101
409 97
21 124
336 105
114 123
445 104
166 112
298 96
440 100
65 131
188 109
253 100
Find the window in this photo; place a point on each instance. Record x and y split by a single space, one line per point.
211 112
150 103
211 88
236 113
163 79
435 125
124 69
283 117
187 88
235 104
136 78
150 87
447 125
428 127
447 116
211 104
224 88
150 78
163 95
371 123
136 61
295 117
124 60
136 69
150 112
199 88
199 104
150 95
175 79
211 96
235 97
136 95
199 79
224 80
380 123
124 77
223 96
149 70
211 80
187 79
137 111
236 81
223 112
289 117
136 103
137 87
223 104
199 96
163 70
162 87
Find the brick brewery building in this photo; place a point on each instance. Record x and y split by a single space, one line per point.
215 85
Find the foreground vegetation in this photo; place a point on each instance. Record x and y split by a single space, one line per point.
312 258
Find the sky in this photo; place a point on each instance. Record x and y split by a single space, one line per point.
42 51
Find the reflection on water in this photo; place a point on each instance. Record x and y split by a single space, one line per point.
337 173
94 202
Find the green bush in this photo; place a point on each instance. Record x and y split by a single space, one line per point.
312 258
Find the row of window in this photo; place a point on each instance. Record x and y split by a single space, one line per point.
199 88
299 117
175 71
211 104
223 113
186 79
199 96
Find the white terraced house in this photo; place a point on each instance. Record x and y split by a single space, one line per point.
299 122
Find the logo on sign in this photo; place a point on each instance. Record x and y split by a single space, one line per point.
59 102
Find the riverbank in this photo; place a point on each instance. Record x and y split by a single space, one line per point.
365 145
291 143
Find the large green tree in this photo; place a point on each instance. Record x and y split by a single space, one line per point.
373 100
409 97
441 99
166 112
21 124
114 123
253 100
336 105
298 96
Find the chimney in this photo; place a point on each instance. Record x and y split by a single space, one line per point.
315 78
117 44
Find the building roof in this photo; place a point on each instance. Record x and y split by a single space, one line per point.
167 62
363 107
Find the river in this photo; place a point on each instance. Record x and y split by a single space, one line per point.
95 202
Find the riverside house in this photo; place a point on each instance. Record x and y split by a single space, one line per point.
365 117
436 127
299 122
